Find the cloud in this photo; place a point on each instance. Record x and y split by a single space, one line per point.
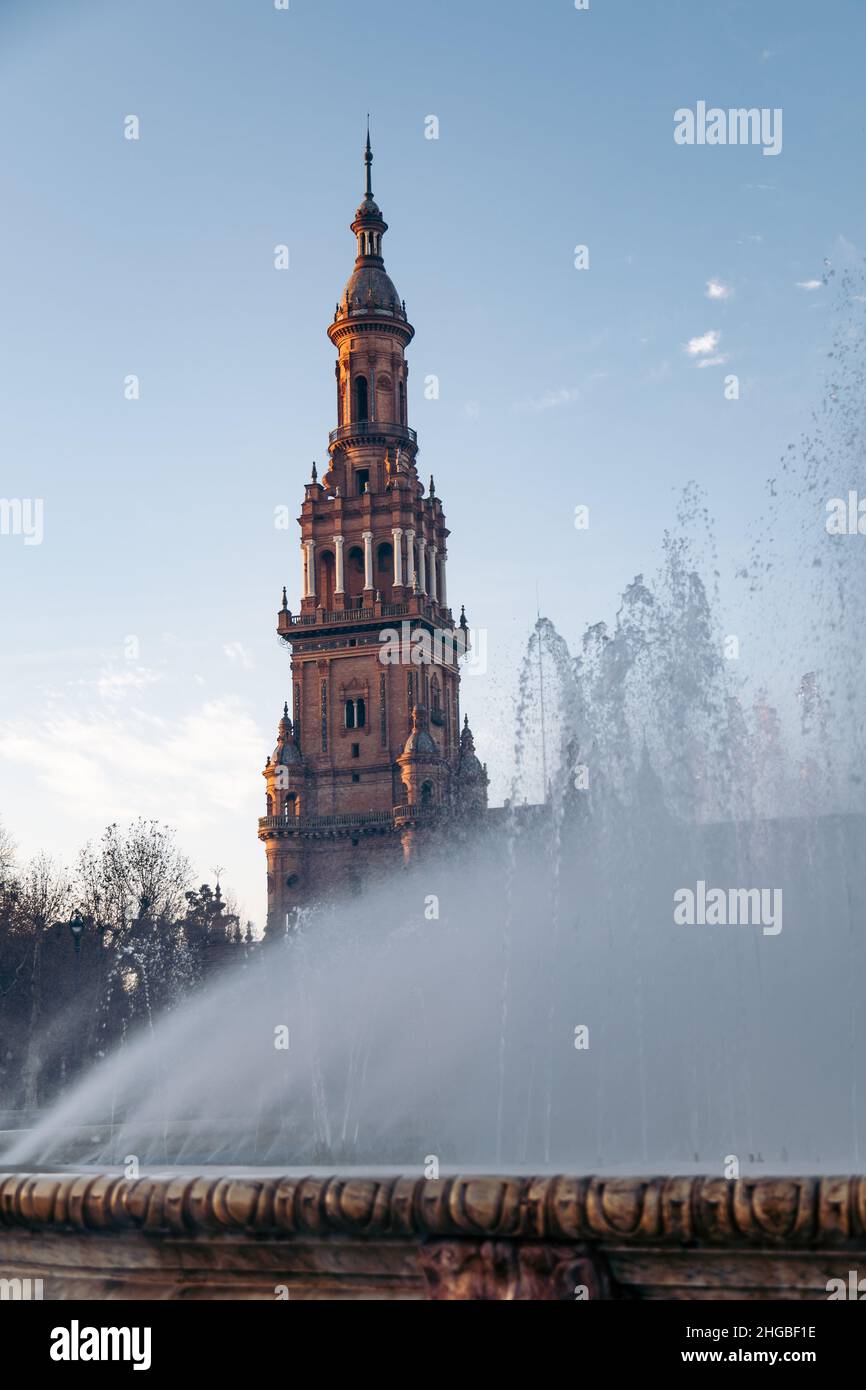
704 344
117 682
716 290
717 361
114 683
238 655
809 284
101 766
551 399
659 372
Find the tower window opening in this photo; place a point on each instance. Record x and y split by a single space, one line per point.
327 579
427 794
356 716
402 404
384 576
356 776
356 750
290 804
363 477
355 576
361 406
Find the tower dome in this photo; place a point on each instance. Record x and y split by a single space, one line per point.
369 289
469 766
286 751
419 743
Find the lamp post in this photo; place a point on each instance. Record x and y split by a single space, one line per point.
76 927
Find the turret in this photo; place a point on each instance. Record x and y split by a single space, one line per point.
470 787
284 772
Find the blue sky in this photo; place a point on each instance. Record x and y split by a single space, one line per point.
558 387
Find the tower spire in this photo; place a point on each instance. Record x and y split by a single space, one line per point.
368 160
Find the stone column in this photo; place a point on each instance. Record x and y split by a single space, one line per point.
397 533
433 574
422 565
338 568
309 548
443 594
368 559
410 558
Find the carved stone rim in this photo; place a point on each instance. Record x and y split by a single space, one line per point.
789 1212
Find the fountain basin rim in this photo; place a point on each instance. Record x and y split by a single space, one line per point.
803 1212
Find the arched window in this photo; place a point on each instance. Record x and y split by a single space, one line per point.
427 794
356 714
326 579
402 403
361 407
384 577
290 804
270 804
436 714
354 578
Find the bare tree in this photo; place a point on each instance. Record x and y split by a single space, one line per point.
132 875
7 854
44 896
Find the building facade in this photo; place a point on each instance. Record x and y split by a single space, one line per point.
372 764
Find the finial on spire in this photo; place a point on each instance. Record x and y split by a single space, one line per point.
285 709
368 160
432 486
285 599
315 472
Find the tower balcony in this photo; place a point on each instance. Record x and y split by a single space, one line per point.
346 822
290 625
408 815
372 432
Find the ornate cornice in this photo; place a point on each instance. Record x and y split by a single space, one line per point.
763 1212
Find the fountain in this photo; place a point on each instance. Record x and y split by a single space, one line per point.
456 1038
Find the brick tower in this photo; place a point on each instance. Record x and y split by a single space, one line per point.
372 764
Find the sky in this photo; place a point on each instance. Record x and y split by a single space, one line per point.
140 673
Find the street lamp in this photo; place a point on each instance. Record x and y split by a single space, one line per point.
76 926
